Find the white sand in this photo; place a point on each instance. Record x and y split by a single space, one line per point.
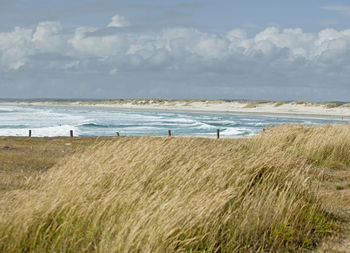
292 109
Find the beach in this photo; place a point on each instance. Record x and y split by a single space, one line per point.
296 109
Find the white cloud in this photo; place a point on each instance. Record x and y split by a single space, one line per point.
212 47
236 35
118 21
178 45
15 48
271 57
99 46
47 37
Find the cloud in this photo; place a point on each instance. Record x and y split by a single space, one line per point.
118 21
175 62
15 48
47 36
82 45
343 9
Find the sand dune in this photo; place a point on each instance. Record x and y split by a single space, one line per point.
268 108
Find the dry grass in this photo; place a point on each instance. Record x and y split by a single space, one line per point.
327 146
146 194
22 157
333 105
301 102
254 104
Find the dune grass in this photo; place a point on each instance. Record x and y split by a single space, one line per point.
326 146
144 194
22 157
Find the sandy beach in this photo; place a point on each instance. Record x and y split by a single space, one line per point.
297 109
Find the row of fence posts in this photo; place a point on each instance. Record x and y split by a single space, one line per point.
169 133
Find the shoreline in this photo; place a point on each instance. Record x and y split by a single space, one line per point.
68 138
263 109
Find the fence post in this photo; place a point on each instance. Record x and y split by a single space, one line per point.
169 133
71 133
118 134
30 133
218 133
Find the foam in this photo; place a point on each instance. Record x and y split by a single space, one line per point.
205 126
231 131
41 132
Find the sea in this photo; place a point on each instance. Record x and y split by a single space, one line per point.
16 120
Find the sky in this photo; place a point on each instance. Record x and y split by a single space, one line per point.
223 49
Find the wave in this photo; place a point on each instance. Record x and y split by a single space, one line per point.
95 125
11 109
7 111
258 124
14 126
114 126
179 120
236 131
205 126
142 128
50 131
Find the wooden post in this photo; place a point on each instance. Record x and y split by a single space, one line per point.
30 133
169 133
118 134
71 133
218 133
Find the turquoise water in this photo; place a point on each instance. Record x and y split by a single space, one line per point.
16 120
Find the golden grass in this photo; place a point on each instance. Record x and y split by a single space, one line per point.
22 157
143 194
327 146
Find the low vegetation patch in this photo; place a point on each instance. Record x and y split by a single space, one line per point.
333 105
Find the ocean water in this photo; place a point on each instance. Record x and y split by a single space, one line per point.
16 120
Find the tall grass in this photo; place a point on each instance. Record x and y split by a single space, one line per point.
179 194
326 146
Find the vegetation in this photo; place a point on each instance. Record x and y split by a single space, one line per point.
185 102
21 157
252 104
301 102
144 194
327 146
279 103
334 105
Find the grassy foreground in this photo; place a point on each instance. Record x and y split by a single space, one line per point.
146 194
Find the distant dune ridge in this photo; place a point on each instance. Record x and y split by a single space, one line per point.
143 194
337 110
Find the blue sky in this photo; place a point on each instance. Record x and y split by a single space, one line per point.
311 15
282 50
